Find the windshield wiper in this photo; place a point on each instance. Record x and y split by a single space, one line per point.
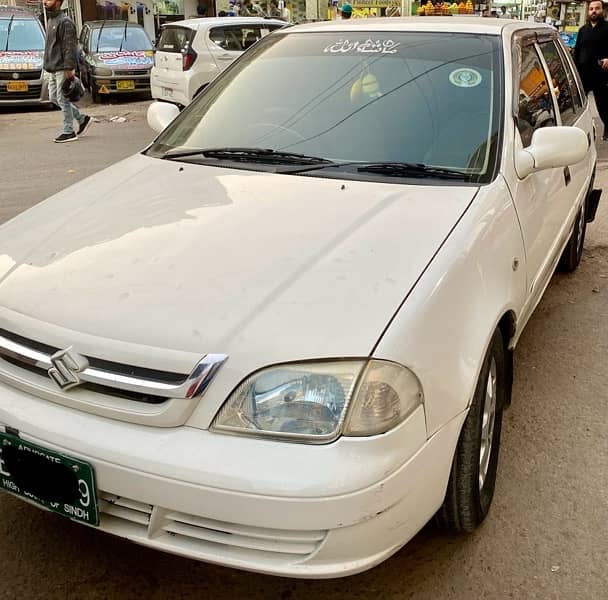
405 169
263 155
99 37
8 32
124 36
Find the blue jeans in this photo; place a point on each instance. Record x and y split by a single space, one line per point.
70 112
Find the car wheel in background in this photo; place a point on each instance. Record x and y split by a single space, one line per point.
95 95
571 256
473 476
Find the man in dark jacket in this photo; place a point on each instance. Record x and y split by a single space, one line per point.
59 65
591 58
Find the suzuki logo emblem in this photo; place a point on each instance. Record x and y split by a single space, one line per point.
67 364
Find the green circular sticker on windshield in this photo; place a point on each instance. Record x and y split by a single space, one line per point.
466 78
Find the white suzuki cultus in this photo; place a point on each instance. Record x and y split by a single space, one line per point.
281 337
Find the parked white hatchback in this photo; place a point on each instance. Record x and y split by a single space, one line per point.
281 337
191 53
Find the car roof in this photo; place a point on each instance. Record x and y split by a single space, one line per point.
115 23
470 24
6 12
207 22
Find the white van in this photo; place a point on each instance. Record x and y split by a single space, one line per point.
191 53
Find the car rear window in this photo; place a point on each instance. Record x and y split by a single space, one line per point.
175 39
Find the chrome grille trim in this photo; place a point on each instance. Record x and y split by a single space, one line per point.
193 384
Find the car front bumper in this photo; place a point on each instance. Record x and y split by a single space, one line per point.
158 495
111 85
36 94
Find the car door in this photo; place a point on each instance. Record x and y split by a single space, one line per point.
569 101
544 200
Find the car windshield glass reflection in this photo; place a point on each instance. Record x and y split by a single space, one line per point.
20 35
114 39
375 97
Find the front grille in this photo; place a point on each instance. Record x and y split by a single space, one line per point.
125 509
108 377
131 73
23 75
33 93
208 535
300 543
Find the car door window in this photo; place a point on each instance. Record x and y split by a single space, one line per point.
228 38
535 108
561 85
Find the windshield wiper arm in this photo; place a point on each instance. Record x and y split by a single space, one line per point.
265 155
404 169
99 37
8 32
124 36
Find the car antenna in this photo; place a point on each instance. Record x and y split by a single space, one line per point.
8 32
99 37
124 36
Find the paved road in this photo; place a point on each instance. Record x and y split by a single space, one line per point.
545 537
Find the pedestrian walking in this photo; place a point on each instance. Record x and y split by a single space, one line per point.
59 65
591 58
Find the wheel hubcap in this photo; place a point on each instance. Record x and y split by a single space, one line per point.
487 424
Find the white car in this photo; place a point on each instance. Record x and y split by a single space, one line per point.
281 337
191 53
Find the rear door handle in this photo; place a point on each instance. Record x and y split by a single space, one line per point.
567 176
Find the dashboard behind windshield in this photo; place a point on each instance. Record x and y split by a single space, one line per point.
425 98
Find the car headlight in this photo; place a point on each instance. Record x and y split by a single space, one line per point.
101 72
317 402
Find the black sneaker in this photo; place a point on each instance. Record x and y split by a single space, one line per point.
84 125
66 137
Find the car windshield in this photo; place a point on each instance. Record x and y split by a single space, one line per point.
20 35
114 39
395 97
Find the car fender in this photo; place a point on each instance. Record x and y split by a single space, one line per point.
443 327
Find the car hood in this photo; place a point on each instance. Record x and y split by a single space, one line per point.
128 60
202 259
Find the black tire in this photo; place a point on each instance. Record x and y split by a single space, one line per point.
95 95
571 256
470 492
200 90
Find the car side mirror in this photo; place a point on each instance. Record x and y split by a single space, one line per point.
551 147
160 114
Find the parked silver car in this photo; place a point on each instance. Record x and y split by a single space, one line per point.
114 57
21 58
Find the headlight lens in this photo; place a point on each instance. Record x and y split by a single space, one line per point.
101 72
309 402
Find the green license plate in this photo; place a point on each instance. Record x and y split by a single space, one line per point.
60 483
126 84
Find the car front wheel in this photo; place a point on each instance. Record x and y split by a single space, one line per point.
571 256
473 475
